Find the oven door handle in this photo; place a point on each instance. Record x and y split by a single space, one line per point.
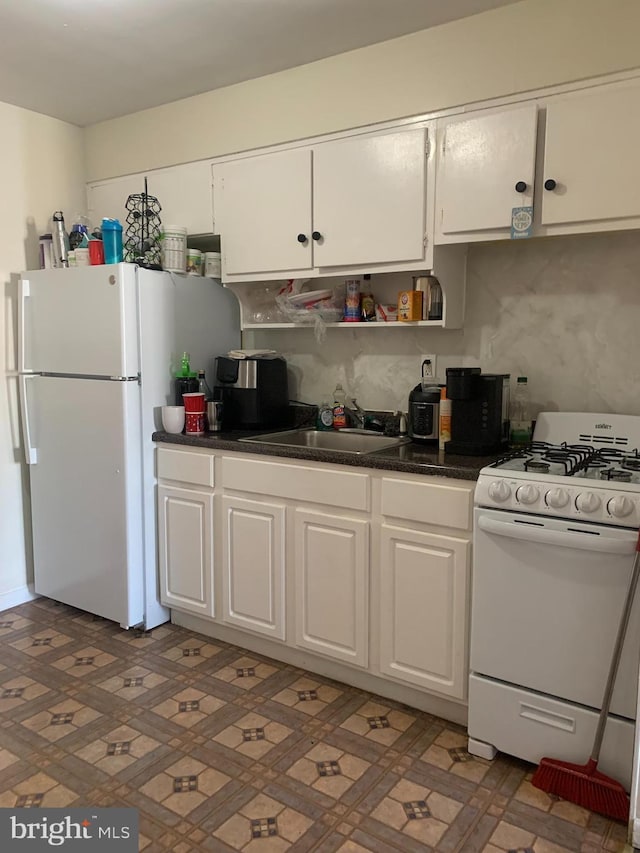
570 538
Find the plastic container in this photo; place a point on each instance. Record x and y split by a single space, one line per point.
521 413
325 416
194 262
352 301
174 248
112 241
339 411
213 264
444 433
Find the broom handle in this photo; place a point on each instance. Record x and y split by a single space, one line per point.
617 654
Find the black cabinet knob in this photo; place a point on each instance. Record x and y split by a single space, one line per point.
521 187
302 238
317 235
550 184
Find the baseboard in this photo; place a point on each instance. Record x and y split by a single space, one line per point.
17 596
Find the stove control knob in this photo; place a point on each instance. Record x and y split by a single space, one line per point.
499 490
527 494
587 502
620 506
556 498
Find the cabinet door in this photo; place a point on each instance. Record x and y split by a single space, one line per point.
423 609
369 199
185 533
254 565
108 198
332 582
184 193
483 156
262 204
591 152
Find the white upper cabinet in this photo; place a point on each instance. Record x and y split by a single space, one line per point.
357 204
184 193
369 200
486 168
263 212
587 176
591 155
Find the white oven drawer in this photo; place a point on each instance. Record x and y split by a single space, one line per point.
531 726
546 604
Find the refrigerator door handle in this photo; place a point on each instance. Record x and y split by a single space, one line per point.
24 292
30 452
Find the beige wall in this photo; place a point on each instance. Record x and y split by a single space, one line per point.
41 170
524 46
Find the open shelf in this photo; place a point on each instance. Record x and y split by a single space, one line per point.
356 326
449 267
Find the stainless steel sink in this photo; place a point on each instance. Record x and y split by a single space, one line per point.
343 441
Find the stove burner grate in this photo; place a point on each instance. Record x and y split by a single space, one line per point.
537 465
616 475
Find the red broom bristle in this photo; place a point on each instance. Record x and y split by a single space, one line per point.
584 786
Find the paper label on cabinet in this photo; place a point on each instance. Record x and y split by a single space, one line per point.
521 222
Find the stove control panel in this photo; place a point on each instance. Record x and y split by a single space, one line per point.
617 504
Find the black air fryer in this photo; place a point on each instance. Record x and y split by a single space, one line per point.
254 392
479 411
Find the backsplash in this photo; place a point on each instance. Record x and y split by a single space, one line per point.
564 311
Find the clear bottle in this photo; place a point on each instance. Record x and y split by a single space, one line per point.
203 388
339 403
521 413
325 416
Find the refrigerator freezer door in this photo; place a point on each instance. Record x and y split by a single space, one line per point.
81 321
86 495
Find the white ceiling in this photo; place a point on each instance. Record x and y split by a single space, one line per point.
88 60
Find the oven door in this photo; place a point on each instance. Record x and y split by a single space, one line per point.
547 599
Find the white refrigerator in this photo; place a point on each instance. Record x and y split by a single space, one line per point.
97 351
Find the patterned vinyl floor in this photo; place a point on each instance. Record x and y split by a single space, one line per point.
222 750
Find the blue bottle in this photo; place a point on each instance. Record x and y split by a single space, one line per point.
112 239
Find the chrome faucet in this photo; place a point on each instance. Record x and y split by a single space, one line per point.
357 414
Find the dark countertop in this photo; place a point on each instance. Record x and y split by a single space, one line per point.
408 458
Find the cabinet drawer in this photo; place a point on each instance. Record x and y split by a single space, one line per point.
448 506
185 466
344 489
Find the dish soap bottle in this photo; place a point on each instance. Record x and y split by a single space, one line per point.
325 416
521 414
339 403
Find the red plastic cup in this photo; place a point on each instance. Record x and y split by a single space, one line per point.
194 402
96 252
194 423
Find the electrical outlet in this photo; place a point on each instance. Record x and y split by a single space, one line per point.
428 367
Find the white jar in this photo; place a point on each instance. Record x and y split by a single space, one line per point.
174 248
213 264
194 262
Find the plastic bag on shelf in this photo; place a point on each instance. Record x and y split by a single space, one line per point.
316 307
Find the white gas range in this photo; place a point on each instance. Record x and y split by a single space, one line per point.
555 529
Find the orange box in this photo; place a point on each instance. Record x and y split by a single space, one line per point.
410 305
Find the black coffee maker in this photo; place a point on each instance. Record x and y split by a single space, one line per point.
254 392
479 411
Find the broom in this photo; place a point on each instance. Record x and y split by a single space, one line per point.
582 783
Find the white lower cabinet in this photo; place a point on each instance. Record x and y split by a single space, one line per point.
424 580
185 534
331 579
376 582
253 578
